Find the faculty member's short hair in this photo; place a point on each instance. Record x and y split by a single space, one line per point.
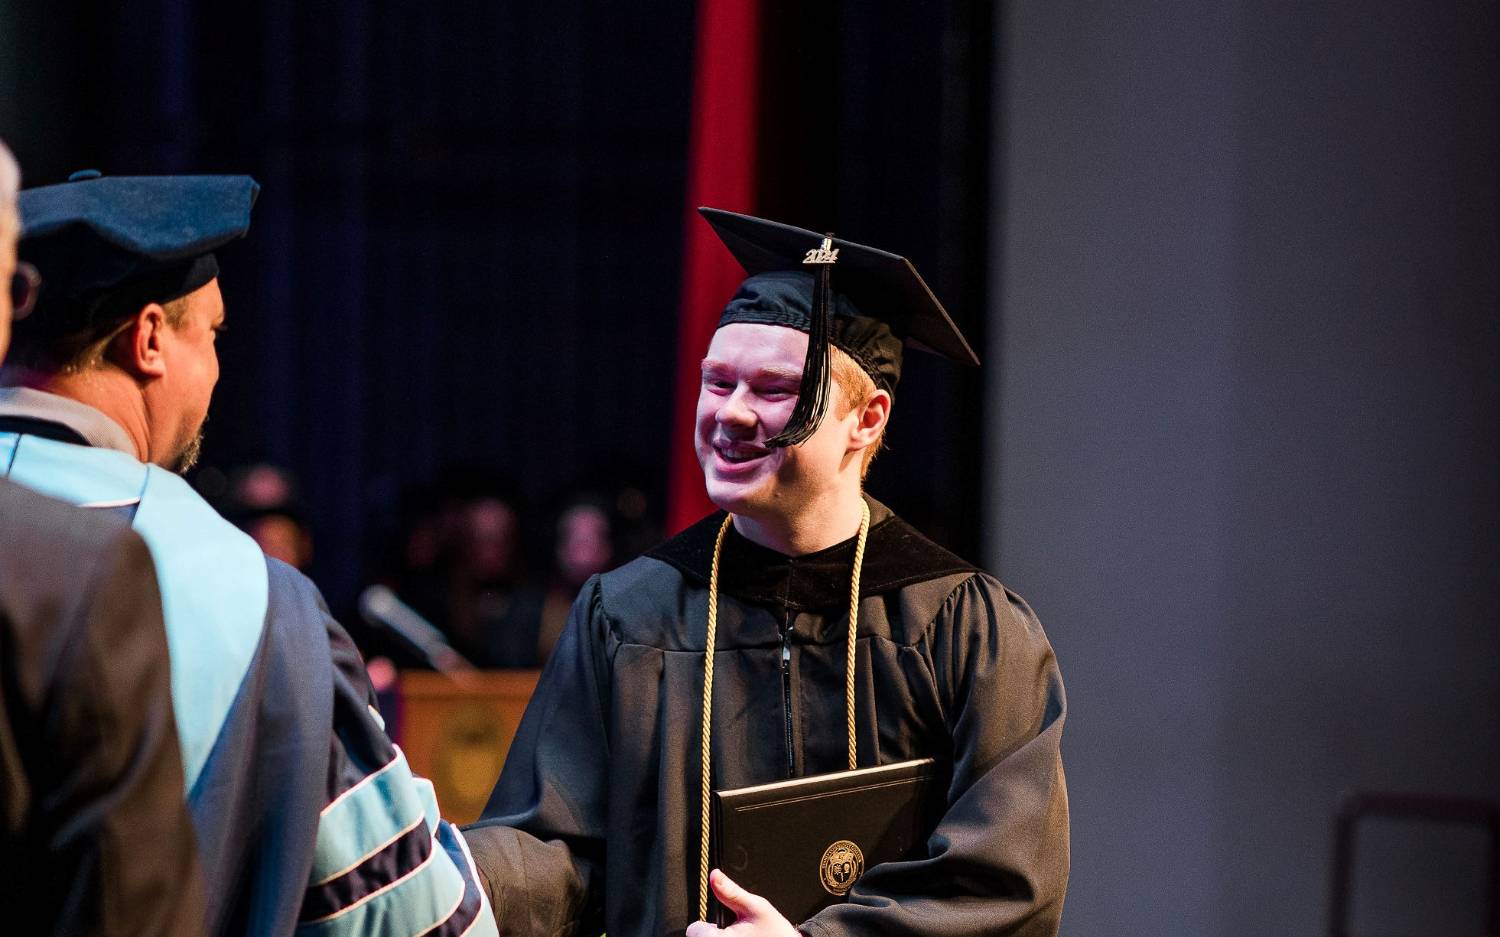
80 349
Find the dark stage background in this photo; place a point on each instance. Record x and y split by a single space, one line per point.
466 251
1236 267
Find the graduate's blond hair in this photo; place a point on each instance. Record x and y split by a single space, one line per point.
855 388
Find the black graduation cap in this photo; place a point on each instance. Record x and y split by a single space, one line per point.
865 301
106 246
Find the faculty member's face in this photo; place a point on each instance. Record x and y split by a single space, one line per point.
192 369
750 382
10 230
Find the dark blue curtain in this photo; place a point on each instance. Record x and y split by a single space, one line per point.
465 251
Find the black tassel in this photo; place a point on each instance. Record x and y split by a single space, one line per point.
813 393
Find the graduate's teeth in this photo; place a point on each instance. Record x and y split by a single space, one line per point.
737 454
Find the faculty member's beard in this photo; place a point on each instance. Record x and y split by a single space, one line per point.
190 453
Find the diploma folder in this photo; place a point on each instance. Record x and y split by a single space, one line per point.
801 844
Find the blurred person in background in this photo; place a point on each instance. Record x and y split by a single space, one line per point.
95 836
263 501
583 546
305 812
471 582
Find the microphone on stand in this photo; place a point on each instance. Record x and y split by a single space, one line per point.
382 608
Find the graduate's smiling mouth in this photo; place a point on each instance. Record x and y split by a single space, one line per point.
737 454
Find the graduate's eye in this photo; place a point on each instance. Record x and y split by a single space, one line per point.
717 384
778 392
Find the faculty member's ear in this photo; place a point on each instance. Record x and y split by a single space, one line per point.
873 416
137 347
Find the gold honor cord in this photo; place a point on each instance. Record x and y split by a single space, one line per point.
708 702
708 681
859 562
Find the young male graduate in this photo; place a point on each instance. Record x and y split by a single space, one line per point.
596 822
95 837
307 817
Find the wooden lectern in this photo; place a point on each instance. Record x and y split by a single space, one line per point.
456 730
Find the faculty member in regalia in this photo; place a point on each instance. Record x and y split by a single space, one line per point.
597 818
95 837
307 817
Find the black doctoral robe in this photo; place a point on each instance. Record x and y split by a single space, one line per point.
593 825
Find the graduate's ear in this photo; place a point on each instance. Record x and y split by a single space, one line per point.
873 416
137 347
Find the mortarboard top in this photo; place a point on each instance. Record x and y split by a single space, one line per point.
103 243
873 302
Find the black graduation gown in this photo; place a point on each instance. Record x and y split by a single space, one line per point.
95 837
594 822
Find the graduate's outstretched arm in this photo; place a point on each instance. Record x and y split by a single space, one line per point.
540 844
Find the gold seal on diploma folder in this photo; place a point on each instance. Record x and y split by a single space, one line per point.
802 844
841 867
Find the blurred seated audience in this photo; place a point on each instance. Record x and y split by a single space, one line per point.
464 570
459 558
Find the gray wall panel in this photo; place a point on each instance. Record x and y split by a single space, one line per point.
1244 459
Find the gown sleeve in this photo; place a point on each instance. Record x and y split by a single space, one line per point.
384 863
997 863
540 843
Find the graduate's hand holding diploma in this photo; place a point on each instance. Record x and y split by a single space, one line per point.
754 916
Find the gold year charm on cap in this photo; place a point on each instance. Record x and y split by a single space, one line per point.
826 254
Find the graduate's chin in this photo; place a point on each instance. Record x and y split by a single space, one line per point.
737 496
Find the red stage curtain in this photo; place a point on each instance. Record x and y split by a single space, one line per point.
721 174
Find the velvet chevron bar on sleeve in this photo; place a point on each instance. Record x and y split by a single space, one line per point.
386 863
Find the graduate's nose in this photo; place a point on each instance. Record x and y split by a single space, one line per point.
735 412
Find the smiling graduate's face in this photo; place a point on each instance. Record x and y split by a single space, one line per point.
749 387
